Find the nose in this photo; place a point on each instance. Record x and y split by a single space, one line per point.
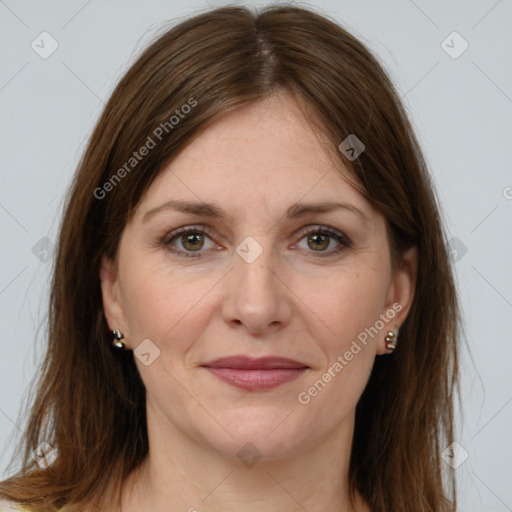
257 297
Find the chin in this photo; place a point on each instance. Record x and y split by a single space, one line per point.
260 431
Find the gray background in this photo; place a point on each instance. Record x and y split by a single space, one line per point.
460 107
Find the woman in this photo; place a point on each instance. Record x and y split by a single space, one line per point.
252 303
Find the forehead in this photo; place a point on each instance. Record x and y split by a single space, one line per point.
262 157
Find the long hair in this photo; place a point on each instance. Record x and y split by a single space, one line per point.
90 401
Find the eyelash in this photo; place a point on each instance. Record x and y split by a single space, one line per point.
342 239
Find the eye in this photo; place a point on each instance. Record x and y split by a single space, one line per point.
192 239
318 239
188 240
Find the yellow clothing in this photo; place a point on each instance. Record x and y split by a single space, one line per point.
10 506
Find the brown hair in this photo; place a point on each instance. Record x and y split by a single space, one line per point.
90 400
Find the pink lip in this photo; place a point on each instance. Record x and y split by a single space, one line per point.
255 374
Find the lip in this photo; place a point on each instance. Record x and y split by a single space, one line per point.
255 374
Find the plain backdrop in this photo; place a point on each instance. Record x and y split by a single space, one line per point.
457 88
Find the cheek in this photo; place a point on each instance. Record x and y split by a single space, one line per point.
334 394
167 307
348 304
347 307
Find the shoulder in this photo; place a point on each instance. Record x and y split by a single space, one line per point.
10 506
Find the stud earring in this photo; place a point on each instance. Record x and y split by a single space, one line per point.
390 341
116 342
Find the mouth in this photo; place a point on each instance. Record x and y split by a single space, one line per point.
256 374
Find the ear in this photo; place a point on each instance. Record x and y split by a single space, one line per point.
400 295
112 303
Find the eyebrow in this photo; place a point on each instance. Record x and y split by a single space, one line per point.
295 211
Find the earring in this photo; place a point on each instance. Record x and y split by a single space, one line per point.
390 340
116 342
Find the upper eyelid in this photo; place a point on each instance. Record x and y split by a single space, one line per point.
311 228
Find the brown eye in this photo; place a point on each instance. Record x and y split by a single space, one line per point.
320 238
192 242
187 241
318 241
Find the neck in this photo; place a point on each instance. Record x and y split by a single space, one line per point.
179 474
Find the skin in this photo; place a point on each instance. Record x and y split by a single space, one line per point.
290 302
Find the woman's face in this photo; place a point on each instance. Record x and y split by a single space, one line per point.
255 280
